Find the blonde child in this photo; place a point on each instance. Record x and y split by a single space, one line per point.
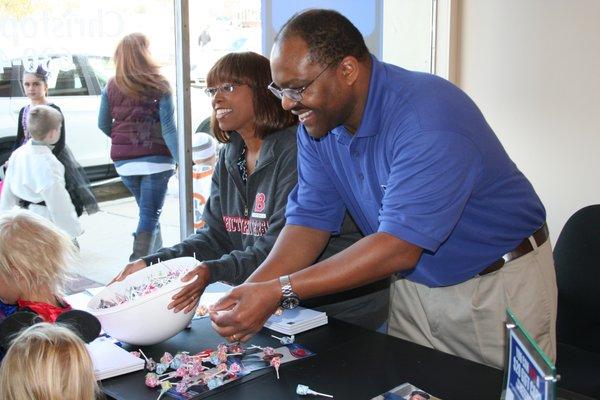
35 178
47 362
34 260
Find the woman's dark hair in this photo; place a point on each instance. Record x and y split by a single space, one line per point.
250 69
40 72
328 34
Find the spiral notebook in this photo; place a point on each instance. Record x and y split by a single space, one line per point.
111 360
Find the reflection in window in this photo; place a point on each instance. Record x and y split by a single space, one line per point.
103 69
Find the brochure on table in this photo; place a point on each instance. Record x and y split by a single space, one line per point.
251 362
406 391
530 375
297 320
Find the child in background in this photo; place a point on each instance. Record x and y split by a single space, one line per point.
34 260
48 362
35 179
204 156
204 149
35 86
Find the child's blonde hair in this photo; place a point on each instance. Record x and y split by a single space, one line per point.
47 362
34 253
41 120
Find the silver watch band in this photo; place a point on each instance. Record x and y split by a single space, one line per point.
286 286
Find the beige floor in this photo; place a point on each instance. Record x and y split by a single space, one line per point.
107 241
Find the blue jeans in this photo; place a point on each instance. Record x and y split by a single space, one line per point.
149 192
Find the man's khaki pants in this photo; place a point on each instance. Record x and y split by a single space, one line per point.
467 319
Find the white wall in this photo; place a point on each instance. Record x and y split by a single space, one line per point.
533 67
407 34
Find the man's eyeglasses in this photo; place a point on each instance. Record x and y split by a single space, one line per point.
295 94
225 88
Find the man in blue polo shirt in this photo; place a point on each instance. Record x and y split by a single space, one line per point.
441 204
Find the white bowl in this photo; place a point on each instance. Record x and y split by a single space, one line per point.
146 319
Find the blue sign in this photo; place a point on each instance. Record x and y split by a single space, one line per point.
362 13
526 380
366 15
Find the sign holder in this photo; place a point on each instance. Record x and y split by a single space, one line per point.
529 374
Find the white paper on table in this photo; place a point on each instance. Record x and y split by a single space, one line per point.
95 291
207 300
111 360
79 301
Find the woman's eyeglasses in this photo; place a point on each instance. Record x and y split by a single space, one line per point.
225 88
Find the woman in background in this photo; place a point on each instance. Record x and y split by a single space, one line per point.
136 112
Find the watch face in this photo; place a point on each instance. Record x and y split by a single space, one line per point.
290 302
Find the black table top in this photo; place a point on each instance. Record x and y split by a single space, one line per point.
351 363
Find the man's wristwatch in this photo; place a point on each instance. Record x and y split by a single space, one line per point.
289 299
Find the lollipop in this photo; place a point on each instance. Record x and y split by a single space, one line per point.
152 380
164 387
161 368
182 386
275 363
269 351
304 390
214 358
235 348
285 339
222 368
184 356
182 372
166 358
214 382
176 362
150 363
234 368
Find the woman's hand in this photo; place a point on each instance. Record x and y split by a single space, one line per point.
188 297
129 269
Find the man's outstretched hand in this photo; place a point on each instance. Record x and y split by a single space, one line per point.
244 310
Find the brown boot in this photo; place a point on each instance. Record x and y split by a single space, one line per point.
142 243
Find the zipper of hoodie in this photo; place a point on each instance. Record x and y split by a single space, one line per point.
246 196
241 188
245 193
